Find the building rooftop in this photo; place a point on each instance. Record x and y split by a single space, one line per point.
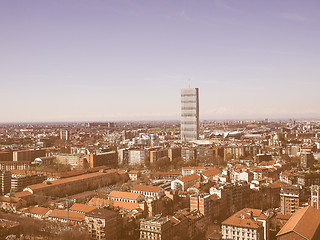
305 222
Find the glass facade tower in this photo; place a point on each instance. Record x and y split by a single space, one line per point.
189 114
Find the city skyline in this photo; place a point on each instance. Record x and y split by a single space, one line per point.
128 60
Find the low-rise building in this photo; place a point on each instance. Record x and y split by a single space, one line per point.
148 191
183 183
125 197
65 216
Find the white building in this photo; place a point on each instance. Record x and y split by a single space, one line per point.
189 114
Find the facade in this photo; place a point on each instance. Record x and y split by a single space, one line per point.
183 183
64 134
137 157
306 159
157 228
200 202
103 224
189 114
156 154
188 154
5 181
10 165
174 152
28 155
19 182
315 196
289 199
243 225
109 159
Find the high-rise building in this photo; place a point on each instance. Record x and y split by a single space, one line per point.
290 199
200 202
189 114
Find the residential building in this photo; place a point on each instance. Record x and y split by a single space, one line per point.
243 226
315 196
188 154
174 152
5 182
189 114
156 154
157 228
21 181
137 157
306 160
103 224
290 199
109 159
200 202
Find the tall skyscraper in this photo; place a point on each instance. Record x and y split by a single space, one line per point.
189 114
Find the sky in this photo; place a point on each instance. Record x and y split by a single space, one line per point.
110 60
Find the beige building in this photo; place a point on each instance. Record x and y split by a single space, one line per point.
157 228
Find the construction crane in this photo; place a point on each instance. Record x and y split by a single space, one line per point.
67 199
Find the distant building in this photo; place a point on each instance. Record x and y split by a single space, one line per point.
188 154
137 157
64 134
155 155
189 114
306 160
174 153
289 199
156 228
109 159
28 155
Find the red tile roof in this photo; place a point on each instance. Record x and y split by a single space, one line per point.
305 222
62 214
146 188
38 210
189 178
126 195
77 207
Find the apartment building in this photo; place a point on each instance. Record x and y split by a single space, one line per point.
109 159
103 224
243 226
157 228
200 202
289 199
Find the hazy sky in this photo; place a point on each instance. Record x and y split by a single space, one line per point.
86 60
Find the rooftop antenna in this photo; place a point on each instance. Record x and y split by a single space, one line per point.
189 82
